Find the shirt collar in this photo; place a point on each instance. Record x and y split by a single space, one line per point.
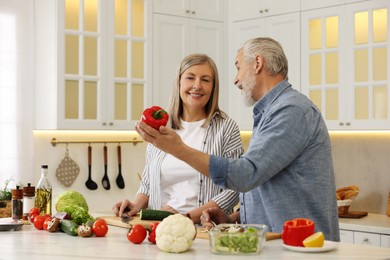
269 98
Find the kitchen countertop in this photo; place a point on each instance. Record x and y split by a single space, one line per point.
29 243
373 223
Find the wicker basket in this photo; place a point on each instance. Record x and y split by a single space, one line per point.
5 209
343 206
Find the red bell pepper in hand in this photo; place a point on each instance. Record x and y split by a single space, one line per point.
296 230
152 232
155 116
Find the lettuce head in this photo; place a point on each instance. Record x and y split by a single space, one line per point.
71 198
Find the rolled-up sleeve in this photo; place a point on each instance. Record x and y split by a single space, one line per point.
218 170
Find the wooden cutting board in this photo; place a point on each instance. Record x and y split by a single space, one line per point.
200 232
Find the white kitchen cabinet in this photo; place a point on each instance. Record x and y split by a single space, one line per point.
252 9
345 69
176 37
283 28
93 60
346 236
316 4
385 241
371 230
199 9
367 239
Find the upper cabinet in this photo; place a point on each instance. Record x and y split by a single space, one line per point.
252 9
176 35
345 70
285 28
94 63
201 9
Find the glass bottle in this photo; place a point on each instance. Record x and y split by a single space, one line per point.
17 203
44 192
28 200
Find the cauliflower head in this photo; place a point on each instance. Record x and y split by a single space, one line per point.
175 234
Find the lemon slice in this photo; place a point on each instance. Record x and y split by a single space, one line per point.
315 240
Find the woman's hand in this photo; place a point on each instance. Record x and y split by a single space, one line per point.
169 208
124 206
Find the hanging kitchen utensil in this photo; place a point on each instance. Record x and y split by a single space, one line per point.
67 170
90 183
120 182
105 180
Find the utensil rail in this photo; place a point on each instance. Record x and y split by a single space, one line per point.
54 141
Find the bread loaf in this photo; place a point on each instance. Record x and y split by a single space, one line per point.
347 193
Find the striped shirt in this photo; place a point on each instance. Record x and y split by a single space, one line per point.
222 138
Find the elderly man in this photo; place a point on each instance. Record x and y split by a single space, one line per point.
287 171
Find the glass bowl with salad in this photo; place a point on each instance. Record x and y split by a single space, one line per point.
237 239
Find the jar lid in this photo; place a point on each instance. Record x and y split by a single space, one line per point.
17 193
29 191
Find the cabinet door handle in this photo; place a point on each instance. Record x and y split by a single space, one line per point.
104 123
187 11
261 11
366 240
193 12
348 123
266 10
111 123
341 124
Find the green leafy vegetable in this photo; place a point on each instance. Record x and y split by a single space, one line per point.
71 198
235 241
77 214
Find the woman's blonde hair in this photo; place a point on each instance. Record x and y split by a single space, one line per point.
176 104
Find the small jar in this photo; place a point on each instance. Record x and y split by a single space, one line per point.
28 200
17 203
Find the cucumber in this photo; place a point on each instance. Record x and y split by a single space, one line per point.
69 227
152 214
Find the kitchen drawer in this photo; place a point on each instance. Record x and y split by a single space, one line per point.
346 236
368 239
385 241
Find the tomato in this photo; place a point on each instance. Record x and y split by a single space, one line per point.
100 228
136 234
38 222
32 218
48 219
34 211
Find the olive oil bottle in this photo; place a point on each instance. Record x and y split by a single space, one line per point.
44 192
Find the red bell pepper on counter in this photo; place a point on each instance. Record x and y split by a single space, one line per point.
155 116
296 230
152 232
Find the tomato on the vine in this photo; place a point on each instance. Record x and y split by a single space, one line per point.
137 234
34 211
100 228
38 222
32 218
48 219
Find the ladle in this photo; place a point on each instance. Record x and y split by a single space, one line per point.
90 183
105 180
120 182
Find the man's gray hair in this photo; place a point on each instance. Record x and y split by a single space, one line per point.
271 51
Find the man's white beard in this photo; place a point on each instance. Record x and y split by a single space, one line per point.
247 90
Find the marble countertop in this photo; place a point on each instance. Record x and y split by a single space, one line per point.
30 243
373 223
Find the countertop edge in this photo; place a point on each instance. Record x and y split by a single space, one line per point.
372 223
